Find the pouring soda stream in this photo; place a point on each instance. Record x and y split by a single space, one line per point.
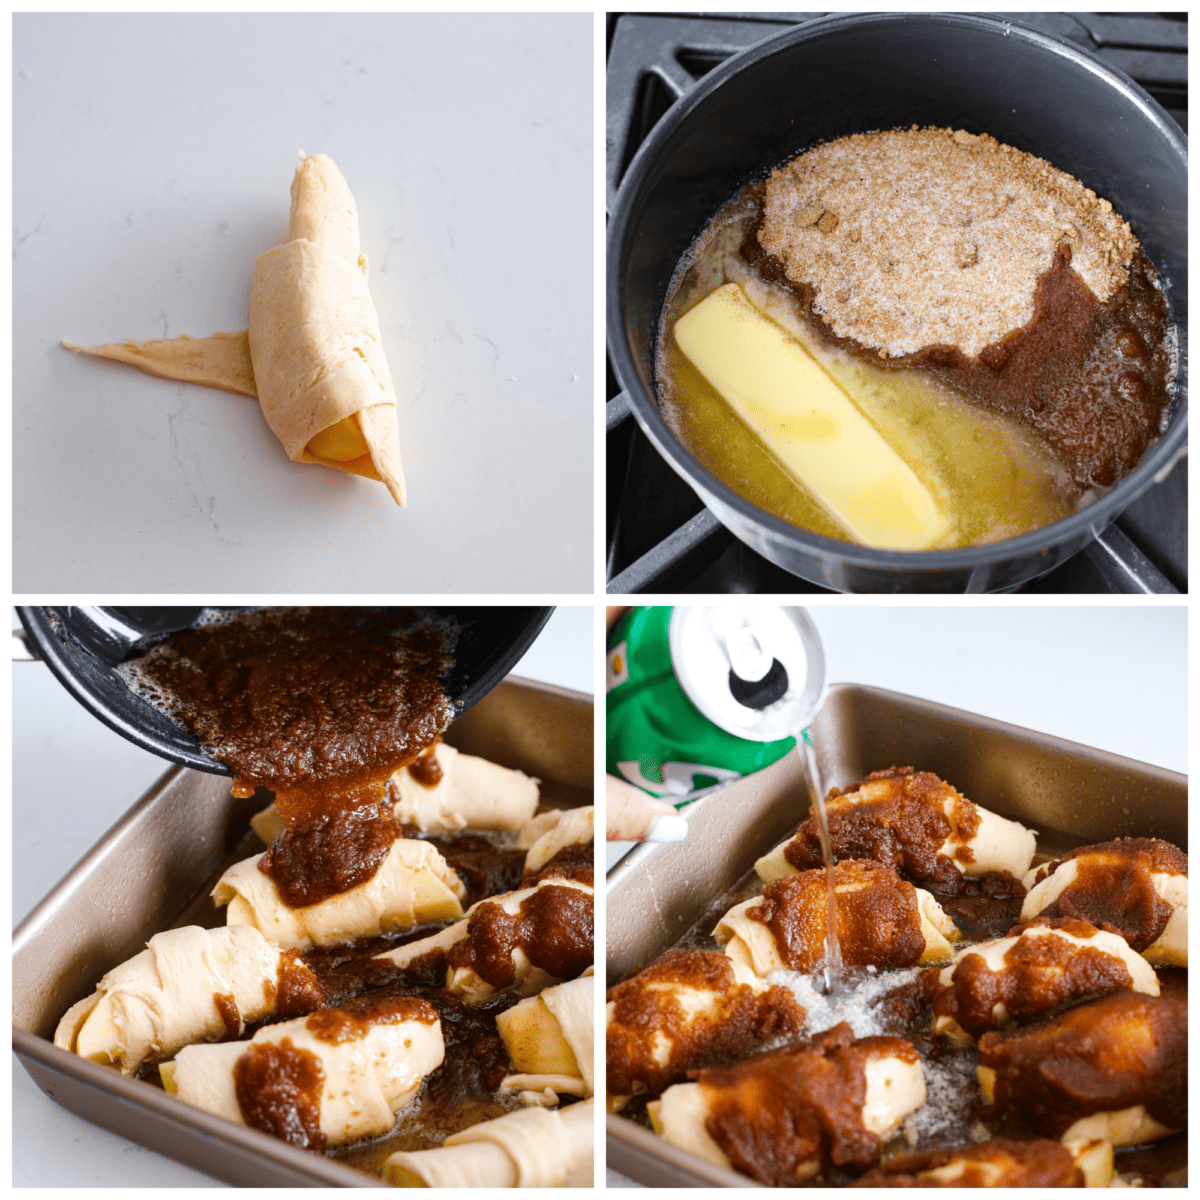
698 697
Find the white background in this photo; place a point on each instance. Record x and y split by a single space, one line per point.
1113 677
152 157
72 778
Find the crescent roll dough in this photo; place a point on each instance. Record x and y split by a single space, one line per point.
413 886
312 355
547 913
550 1038
167 996
367 1078
535 1147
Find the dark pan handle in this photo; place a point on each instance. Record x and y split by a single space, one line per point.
84 645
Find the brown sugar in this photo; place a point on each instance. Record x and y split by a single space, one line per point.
933 237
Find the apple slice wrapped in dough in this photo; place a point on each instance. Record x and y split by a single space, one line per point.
471 793
313 354
783 1116
575 828
1041 965
518 942
535 1147
1113 1068
883 921
685 1010
336 1076
188 985
413 886
1137 887
550 1038
914 823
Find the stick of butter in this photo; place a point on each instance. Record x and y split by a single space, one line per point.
808 422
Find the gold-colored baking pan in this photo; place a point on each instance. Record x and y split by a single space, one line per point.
1070 794
152 871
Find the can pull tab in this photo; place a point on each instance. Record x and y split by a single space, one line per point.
756 677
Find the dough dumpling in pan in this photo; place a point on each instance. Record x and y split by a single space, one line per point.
336 1076
471 793
883 921
576 828
999 1162
518 942
1136 887
550 1038
1039 966
784 1116
1113 1068
534 1147
188 985
689 1009
413 886
914 823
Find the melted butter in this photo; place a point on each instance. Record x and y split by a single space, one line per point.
992 477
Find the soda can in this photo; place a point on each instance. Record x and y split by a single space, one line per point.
700 696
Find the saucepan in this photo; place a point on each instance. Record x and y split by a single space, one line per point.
83 647
862 72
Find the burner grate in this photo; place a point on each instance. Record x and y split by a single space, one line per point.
660 536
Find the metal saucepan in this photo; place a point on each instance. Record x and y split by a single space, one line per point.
83 646
856 73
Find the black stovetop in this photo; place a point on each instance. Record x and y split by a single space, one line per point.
660 536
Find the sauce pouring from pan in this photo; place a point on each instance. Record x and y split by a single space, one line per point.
85 645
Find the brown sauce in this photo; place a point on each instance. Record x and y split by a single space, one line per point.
297 990
554 927
777 1112
1037 1163
1113 889
320 705
485 868
1102 1056
577 862
1039 974
231 1018
358 1017
985 907
878 921
278 1090
899 822
743 1021
425 768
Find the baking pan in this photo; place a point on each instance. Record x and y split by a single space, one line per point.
153 870
1070 794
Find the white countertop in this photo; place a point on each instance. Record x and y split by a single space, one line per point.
152 157
1110 676
72 778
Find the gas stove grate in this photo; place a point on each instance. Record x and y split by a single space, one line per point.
661 538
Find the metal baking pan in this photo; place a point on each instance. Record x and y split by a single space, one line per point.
1070 794
152 871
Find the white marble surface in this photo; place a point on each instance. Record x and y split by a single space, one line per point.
1114 677
72 779
152 156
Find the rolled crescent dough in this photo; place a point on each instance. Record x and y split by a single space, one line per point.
535 1147
312 355
413 886
577 826
367 1079
163 999
528 980
550 1038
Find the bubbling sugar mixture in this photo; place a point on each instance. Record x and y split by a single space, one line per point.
995 323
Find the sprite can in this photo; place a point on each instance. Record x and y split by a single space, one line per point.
700 696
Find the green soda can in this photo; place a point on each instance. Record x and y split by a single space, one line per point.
700 696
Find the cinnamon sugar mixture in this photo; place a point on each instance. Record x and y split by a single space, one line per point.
926 237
